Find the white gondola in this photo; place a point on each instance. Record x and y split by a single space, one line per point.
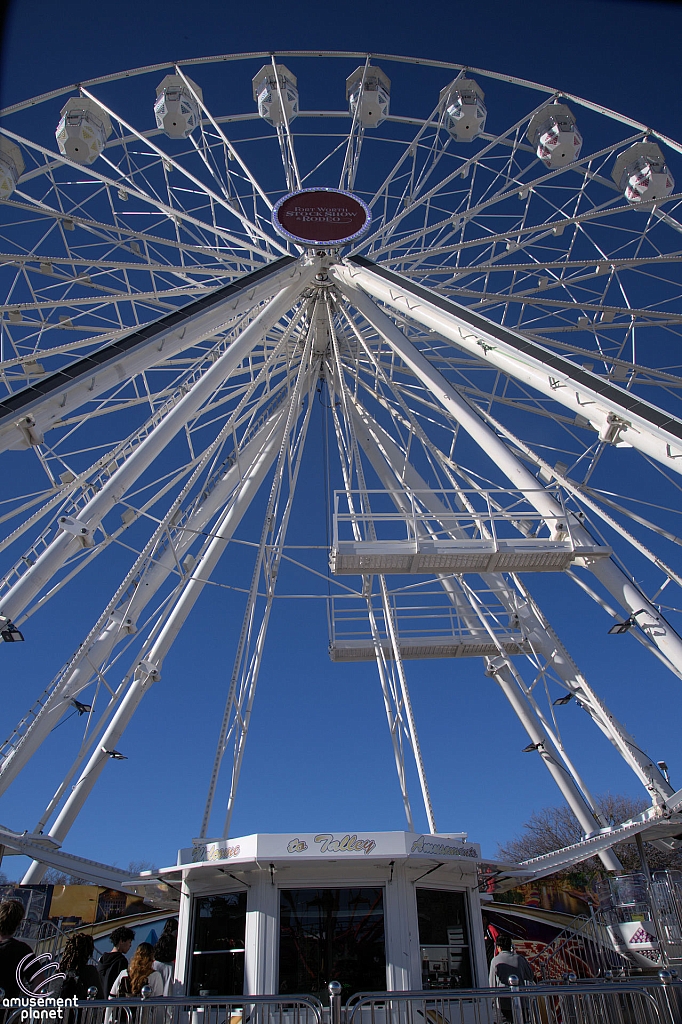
276 94
176 110
83 130
11 167
465 111
555 136
642 173
368 91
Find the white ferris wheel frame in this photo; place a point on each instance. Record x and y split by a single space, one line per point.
277 293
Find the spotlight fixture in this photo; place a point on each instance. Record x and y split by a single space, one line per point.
115 755
664 770
9 632
82 709
530 747
624 627
562 700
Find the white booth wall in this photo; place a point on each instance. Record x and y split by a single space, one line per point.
265 867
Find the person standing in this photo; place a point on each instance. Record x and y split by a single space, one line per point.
505 963
79 974
12 951
130 983
113 963
164 955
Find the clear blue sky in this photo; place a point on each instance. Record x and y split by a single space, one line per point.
318 755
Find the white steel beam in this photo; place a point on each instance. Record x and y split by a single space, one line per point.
30 845
397 727
538 867
396 473
246 667
398 707
26 415
659 631
538 631
123 618
239 707
617 415
148 669
81 528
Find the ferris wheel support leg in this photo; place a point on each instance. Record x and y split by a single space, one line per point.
608 408
616 582
137 351
148 670
545 640
87 521
395 472
502 675
123 616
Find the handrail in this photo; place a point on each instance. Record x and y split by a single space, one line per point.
653 1000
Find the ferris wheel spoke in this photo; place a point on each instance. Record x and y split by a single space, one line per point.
176 165
185 521
242 687
119 235
226 142
133 191
461 171
538 234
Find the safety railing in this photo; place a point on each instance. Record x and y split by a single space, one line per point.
293 1009
473 514
453 531
583 948
645 1001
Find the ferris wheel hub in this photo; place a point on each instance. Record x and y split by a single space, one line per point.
321 217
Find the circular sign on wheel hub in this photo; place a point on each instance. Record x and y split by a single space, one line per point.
321 216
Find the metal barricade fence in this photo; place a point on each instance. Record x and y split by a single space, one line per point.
642 1001
294 1009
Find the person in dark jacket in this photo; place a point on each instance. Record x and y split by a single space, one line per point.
113 963
12 951
80 975
505 963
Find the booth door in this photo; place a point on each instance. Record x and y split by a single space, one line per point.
217 950
444 943
332 935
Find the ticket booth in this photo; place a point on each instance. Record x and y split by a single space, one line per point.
269 914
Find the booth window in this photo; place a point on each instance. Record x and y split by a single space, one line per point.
331 935
217 966
443 939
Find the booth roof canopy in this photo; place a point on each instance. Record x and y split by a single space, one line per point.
293 847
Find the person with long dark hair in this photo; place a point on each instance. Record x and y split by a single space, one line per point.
79 974
164 954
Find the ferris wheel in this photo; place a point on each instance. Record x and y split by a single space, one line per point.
469 282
